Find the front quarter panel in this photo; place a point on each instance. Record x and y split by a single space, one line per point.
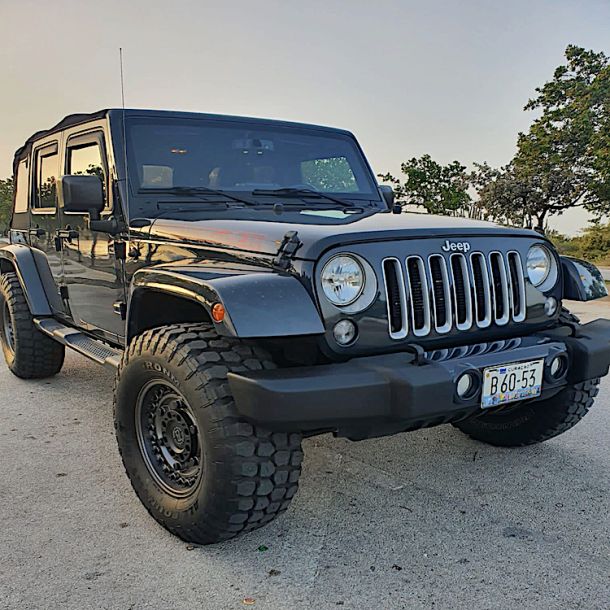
259 304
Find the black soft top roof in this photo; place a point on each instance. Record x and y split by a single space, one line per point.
69 121
77 119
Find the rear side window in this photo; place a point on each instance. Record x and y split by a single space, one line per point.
86 159
47 166
21 188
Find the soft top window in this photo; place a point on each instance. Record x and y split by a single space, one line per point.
86 158
47 169
21 188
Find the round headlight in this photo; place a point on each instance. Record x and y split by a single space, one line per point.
342 280
538 264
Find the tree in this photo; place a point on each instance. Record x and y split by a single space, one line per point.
562 162
511 196
492 189
6 203
440 189
564 159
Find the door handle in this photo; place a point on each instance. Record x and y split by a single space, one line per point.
37 232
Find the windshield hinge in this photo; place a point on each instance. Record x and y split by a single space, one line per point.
290 244
120 250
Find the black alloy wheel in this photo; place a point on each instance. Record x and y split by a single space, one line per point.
168 438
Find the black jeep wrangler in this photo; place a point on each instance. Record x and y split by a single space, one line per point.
253 285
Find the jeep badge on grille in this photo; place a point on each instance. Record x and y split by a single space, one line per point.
456 246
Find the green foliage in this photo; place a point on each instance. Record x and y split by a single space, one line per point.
440 189
512 196
593 244
564 159
562 162
333 175
6 203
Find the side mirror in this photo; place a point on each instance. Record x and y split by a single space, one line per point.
83 194
387 192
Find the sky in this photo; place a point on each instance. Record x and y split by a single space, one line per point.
447 78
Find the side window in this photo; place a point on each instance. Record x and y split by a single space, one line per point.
86 159
45 187
21 188
333 174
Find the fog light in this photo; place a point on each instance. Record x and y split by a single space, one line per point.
464 385
550 306
344 332
557 367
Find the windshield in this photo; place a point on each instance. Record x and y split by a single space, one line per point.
243 157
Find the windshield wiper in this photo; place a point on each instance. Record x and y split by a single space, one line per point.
301 192
197 191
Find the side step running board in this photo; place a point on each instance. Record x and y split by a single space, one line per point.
97 350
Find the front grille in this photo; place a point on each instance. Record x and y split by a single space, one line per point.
455 292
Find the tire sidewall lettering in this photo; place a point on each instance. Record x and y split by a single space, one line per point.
151 366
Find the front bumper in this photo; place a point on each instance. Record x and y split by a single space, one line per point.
378 395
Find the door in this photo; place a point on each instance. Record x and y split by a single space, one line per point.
43 216
93 277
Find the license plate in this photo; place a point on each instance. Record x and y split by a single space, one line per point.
510 382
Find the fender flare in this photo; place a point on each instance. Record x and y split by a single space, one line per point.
257 304
582 281
22 259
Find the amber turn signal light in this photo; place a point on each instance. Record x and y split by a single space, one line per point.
218 312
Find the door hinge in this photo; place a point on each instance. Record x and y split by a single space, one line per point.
120 308
120 250
290 244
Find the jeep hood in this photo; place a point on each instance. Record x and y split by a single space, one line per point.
265 236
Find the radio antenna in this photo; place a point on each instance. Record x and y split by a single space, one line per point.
124 135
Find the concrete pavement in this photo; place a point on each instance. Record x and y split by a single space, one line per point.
420 520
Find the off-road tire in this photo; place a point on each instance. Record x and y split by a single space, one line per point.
249 474
33 355
533 422
538 421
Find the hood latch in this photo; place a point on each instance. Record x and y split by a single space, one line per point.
290 244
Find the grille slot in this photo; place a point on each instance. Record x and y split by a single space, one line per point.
482 290
500 288
517 286
441 293
395 298
455 291
461 292
419 300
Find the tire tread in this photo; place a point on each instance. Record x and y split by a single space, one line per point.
249 475
36 356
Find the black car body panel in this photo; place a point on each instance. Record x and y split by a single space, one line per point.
262 235
278 298
22 259
378 395
582 281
